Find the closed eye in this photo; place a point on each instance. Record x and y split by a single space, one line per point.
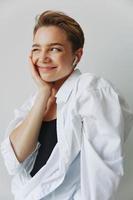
35 49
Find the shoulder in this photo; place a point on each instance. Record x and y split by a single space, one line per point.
91 82
96 91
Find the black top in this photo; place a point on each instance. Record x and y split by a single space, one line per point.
48 139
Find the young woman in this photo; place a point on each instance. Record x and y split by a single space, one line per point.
66 141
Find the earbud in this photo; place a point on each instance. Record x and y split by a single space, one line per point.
75 61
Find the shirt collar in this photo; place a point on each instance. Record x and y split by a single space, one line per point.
66 88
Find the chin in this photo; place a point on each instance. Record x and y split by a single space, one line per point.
48 79
51 79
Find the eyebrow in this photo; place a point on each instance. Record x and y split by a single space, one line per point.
50 44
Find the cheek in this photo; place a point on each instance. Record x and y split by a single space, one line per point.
65 59
34 58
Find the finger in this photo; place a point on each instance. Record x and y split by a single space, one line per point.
30 61
33 68
31 64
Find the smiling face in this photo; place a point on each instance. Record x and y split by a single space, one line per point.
52 53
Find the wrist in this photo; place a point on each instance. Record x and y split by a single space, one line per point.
44 91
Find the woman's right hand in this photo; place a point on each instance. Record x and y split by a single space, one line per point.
42 85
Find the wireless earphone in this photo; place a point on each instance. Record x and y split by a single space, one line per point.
75 61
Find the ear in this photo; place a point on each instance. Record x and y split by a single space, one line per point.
78 53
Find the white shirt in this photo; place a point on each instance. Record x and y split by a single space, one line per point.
93 122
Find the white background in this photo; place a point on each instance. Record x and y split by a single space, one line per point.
108 52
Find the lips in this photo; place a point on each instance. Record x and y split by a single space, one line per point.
47 68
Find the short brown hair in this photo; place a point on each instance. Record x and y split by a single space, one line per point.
72 28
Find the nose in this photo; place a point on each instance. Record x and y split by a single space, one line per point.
44 57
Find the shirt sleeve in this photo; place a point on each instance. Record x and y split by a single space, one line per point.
106 118
11 162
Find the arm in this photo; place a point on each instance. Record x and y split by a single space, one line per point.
20 145
24 138
102 146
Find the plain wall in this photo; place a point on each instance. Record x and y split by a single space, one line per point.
108 52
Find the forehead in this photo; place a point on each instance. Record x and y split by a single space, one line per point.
50 34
